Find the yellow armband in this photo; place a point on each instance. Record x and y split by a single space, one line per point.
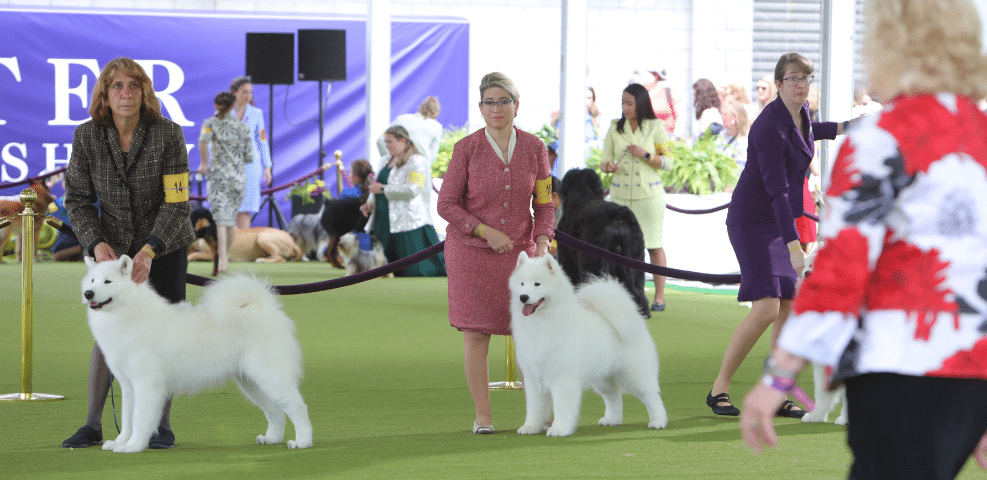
543 190
176 187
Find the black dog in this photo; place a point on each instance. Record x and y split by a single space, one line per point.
586 216
339 217
205 228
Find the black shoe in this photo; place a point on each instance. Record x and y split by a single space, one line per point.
658 307
712 401
161 439
788 409
86 437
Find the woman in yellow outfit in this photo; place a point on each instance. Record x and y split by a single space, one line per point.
633 151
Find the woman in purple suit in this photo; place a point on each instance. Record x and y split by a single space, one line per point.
761 219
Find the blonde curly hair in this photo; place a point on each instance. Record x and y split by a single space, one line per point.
924 46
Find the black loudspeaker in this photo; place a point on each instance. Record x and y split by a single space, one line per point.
271 58
322 55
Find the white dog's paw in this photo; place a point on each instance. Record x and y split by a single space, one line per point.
841 420
266 440
530 429
297 444
109 445
612 422
128 448
659 424
816 416
557 431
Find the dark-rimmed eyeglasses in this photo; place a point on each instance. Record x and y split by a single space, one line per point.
796 81
504 102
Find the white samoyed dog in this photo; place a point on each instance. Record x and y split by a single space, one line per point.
826 399
156 349
568 341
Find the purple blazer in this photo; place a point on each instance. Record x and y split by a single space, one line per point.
769 191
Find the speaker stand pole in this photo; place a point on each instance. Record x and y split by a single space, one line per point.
271 203
322 150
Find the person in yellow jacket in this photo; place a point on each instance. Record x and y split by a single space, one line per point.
633 151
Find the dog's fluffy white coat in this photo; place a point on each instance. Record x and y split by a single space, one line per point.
156 349
568 341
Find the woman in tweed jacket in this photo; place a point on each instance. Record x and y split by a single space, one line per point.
126 192
497 198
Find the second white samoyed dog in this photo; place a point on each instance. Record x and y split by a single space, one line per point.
156 349
568 341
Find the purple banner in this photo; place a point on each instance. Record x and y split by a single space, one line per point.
49 62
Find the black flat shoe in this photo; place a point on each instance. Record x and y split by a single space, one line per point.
788 409
658 307
712 401
161 439
86 437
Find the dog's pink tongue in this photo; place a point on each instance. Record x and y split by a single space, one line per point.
529 309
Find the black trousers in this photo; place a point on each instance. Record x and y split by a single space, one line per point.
916 428
167 276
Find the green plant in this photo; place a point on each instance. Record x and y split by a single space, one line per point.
700 169
307 192
593 160
449 138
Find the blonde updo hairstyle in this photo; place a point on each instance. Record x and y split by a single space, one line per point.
924 46
497 79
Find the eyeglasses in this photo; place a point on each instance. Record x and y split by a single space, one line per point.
504 102
795 81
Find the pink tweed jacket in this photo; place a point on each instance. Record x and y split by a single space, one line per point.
479 188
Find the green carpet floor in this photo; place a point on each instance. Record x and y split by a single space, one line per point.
387 397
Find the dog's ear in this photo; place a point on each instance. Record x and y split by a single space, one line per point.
522 258
553 265
90 261
126 265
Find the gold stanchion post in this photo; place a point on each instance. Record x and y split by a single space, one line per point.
510 375
339 171
28 197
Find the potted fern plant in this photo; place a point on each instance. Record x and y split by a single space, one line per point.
700 169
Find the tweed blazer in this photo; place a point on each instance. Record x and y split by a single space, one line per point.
479 188
123 203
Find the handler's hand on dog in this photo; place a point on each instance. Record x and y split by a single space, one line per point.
142 267
104 252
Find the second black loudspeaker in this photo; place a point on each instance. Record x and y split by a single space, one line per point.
322 55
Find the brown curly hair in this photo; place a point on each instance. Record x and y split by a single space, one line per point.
99 106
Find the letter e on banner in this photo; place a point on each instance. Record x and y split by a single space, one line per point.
63 92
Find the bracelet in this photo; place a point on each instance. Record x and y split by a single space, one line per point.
544 241
793 247
786 386
149 251
771 368
480 229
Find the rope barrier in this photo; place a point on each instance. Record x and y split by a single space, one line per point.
29 180
611 257
697 212
266 191
342 281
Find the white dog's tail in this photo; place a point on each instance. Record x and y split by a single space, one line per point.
608 297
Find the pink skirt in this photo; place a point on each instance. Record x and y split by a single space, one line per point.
479 297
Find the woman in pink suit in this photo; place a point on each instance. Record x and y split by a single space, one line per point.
496 178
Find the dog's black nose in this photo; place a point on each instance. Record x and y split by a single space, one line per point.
524 298
88 294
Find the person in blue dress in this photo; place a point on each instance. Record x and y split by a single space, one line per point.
259 169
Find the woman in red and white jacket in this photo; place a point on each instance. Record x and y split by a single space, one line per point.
897 299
